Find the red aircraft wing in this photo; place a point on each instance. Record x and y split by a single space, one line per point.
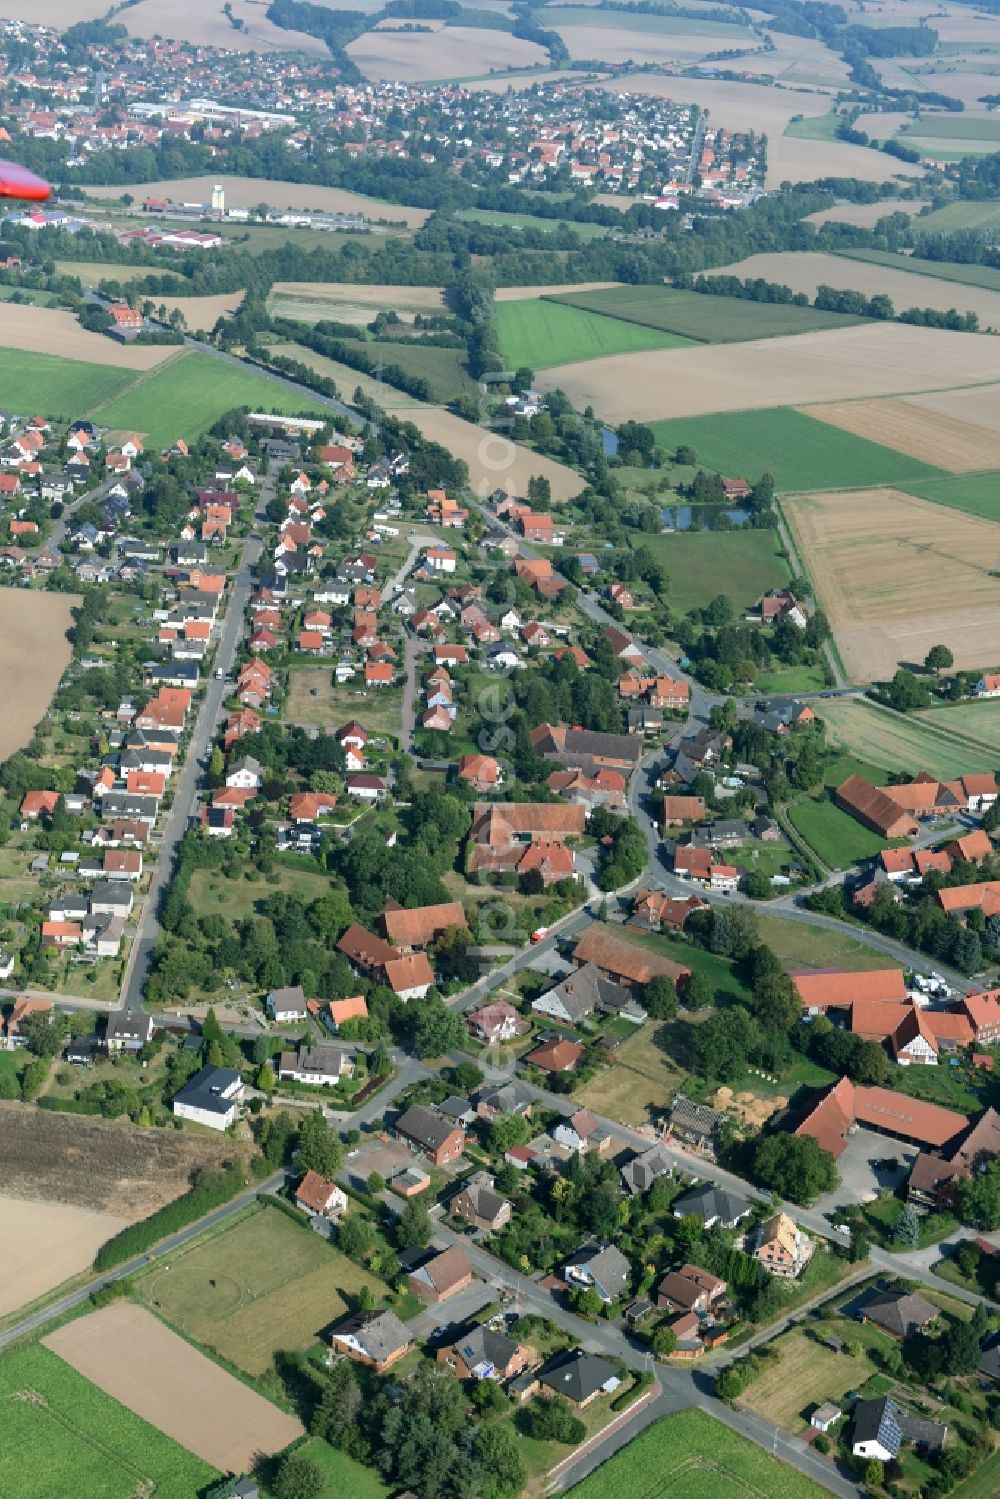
18 182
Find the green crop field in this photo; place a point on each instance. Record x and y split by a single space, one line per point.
64 388
908 744
692 1456
799 451
543 334
815 127
188 396
959 216
742 564
957 127
833 833
501 220
979 494
62 1435
702 316
985 276
262 1285
444 369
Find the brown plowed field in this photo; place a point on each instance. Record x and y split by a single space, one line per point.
896 575
34 653
943 440
132 1356
111 1168
870 359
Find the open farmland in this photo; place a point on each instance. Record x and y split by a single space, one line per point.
799 452
494 461
202 312
347 302
108 1168
264 1285
700 316
863 215
208 26
743 564
690 1455
807 270
456 52
896 575
962 216
871 359
978 721
546 334
44 1243
65 388
34 653
530 293
347 380
131 1356
986 276
943 440
907 744
247 192
979 405
70 1438
54 331
613 38
191 394
977 494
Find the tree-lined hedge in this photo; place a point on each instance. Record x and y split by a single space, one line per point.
210 1190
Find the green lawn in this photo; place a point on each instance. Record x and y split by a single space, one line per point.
941 270
702 316
799 945
188 397
342 1476
834 835
984 1483
692 1456
501 220
742 564
542 334
266 1284
799 451
77 1440
979 494
789 679
65 388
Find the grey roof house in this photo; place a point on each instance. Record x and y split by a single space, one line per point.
602 1268
712 1204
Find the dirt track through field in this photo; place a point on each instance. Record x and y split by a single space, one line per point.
869 359
133 1357
53 330
896 575
44 1243
946 441
34 653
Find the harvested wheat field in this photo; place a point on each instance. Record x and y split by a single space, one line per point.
130 1355
622 43
870 359
494 462
793 158
528 293
202 312
896 575
458 52
44 1243
946 441
348 302
53 330
247 192
34 653
805 270
979 405
863 215
63 13
109 1168
208 26
734 106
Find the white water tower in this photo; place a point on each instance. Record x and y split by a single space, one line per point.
218 198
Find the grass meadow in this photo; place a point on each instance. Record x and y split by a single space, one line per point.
690 1455
800 452
979 494
65 388
444 370
543 334
71 1438
832 833
960 216
908 744
702 317
266 1284
978 721
188 397
501 220
701 564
